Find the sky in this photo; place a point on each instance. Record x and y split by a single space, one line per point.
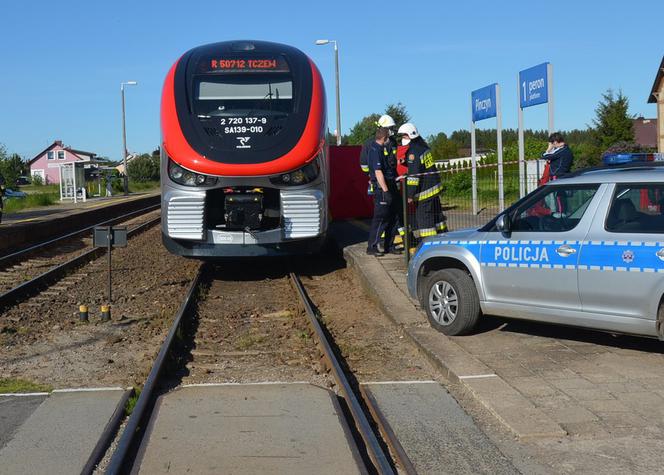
62 62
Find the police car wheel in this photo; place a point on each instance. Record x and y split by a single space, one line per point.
451 301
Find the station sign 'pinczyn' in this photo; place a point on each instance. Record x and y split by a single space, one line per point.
533 84
484 102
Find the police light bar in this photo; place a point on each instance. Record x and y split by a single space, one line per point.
624 158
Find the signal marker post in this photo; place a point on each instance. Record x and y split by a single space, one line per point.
109 237
485 103
535 86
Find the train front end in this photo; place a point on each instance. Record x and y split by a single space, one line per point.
244 168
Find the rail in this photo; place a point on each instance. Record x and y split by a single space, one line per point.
374 448
9 258
24 290
119 458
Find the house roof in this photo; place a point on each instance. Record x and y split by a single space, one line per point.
645 132
58 143
655 87
80 152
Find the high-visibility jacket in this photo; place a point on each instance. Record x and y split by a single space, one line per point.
420 161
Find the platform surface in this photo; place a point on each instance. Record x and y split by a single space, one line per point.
14 411
59 436
434 431
247 429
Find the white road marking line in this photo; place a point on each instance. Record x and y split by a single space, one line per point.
203 385
400 382
87 390
23 394
479 376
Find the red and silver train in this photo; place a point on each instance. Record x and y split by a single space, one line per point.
244 160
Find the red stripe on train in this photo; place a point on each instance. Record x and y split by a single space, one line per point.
176 146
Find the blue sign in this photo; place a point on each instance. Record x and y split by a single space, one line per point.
534 85
484 102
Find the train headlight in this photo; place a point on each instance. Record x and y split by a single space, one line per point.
301 176
187 178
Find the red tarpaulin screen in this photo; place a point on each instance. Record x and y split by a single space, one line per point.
348 184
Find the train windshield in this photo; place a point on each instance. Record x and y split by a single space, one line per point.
243 96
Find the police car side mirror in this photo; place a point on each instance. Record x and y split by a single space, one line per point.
503 224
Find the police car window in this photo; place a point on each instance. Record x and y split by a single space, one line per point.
556 209
636 208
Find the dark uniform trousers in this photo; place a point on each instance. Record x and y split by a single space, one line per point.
384 222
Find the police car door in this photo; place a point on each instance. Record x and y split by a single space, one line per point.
622 259
535 264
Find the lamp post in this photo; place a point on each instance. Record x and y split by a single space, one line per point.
336 70
124 135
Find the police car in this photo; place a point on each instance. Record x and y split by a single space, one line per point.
586 250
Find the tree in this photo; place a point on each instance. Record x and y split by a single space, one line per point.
11 167
144 168
441 147
398 113
363 130
612 123
366 127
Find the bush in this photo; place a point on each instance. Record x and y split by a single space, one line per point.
144 168
37 180
625 147
459 183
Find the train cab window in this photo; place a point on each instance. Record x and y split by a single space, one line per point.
242 96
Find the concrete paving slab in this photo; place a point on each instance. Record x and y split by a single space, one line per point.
260 428
59 436
434 431
14 410
508 405
513 409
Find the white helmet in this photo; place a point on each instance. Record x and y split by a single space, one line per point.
386 121
408 129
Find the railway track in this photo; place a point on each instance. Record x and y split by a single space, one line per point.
26 272
206 360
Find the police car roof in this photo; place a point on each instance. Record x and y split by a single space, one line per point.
615 174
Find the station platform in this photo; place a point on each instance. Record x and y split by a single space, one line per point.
293 428
56 432
37 224
435 433
549 386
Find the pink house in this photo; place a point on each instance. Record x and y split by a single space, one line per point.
47 162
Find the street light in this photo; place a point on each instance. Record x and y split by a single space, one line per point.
124 136
336 69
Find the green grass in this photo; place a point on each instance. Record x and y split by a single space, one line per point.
35 200
131 402
12 385
143 185
30 189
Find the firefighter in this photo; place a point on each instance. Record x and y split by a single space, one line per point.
390 146
386 197
423 185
